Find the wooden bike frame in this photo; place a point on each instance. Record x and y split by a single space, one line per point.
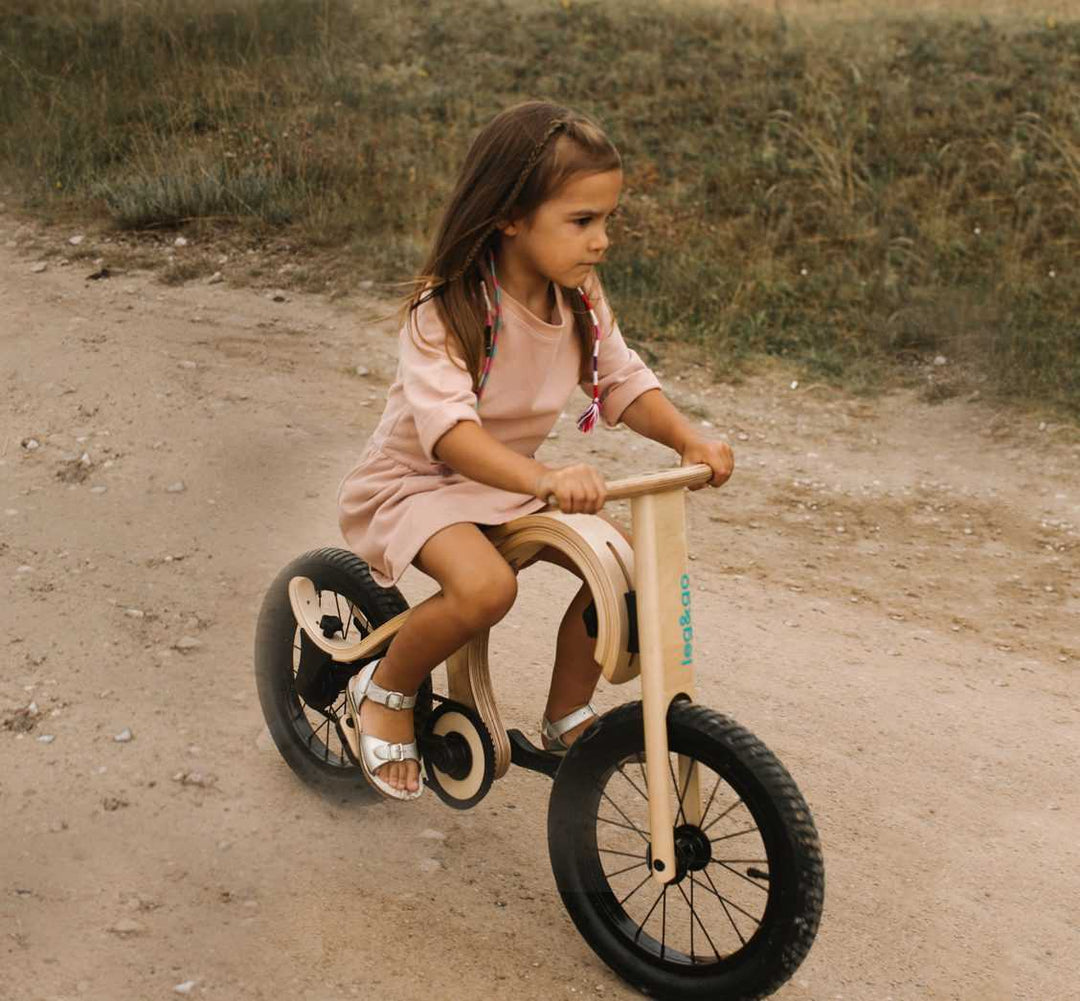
655 570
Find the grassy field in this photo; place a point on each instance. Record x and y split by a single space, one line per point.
852 192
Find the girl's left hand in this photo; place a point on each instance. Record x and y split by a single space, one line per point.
716 454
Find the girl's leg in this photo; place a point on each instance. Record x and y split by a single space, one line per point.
574 677
478 589
576 673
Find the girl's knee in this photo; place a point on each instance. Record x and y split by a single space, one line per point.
484 595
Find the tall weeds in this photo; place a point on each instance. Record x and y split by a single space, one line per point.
849 199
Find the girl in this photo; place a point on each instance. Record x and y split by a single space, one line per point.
506 319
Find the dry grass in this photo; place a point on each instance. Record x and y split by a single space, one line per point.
853 194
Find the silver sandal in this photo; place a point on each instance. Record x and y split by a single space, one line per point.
553 732
371 752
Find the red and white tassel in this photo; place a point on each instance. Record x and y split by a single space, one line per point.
587 421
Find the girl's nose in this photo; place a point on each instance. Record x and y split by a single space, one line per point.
600 242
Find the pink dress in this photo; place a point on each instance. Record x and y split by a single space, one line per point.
400 495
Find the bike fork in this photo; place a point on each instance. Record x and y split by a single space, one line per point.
666 649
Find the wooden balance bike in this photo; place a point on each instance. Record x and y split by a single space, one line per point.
681 848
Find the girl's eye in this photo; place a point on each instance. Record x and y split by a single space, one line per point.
583 221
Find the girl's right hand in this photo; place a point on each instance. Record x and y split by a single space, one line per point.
576 489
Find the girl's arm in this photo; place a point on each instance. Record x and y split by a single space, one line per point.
653 415
470 450
475 453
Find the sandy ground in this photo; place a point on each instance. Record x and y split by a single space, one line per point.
888 595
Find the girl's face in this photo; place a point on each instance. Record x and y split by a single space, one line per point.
567 235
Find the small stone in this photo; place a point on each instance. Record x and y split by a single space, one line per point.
186 987
429 865
31 444
99 489
743 436
124 736
46 738
277 296
187 643
362 370
940 360
433 835
127 926
706 424
366 284
76 240
189 364
795 384
25 568
134 613
176 488
38 267
553 434
180 241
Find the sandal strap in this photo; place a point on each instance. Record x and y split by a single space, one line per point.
370 690
554 731
382 751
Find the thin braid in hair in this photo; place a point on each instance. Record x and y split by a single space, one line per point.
526 170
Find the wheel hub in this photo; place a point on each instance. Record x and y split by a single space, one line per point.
693 850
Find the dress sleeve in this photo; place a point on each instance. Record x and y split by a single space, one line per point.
623 375
437 388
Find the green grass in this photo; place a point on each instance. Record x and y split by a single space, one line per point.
852 199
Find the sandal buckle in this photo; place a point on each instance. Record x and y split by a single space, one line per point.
394 700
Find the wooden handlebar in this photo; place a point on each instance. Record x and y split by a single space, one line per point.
652 483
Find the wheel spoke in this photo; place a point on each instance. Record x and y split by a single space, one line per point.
612 851
712 796
619 872
641 927
648 876
694 916
724 837
675 783
752 882
725 902
643 795
615 823
625 817
663 922
723 815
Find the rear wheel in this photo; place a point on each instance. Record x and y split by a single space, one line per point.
301 689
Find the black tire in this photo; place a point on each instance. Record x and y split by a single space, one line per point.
787 892
306 734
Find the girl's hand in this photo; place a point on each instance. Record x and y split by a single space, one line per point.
716 454
576 489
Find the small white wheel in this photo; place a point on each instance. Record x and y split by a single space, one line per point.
459 755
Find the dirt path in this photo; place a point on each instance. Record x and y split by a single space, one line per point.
889 597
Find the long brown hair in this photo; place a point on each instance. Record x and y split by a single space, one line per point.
518 160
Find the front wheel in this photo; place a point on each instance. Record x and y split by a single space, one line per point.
742 911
